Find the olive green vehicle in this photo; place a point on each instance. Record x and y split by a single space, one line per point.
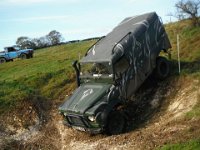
112 71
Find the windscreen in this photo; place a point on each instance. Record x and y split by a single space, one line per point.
96 70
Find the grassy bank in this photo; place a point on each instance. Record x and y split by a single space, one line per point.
46 75
191 145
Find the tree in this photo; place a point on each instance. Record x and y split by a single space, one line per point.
189 9
25 42
37 42
43 42
55 37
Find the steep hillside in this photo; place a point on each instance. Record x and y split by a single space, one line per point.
167 113
189 46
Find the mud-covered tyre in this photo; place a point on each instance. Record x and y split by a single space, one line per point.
23 56
116 123
29 56
2 60
162 69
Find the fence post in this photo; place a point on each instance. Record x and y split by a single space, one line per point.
178 49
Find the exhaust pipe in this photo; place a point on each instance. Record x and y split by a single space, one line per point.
77 69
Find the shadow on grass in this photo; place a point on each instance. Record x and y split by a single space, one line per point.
186 67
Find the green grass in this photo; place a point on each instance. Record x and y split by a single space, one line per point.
189 48
195 112
189 41
191 145
48 74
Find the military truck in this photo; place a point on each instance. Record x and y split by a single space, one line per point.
112 70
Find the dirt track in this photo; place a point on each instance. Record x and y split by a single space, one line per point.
157 120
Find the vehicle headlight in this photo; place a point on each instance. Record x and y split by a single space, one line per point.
91 118
65 114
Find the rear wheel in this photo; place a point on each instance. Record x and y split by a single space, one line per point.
2 60
23 56
116 123
162 69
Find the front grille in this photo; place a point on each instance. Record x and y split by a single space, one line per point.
76 121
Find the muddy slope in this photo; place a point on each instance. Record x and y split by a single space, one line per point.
156 118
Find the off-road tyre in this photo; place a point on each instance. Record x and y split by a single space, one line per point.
116 123
162 69
23 56
31 56
2 60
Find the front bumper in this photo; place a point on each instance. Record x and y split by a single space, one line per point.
89 130
82 124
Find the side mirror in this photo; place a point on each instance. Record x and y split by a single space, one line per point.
74 63
77 69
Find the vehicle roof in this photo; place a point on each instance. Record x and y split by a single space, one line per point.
102 51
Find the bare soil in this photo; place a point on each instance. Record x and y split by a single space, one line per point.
157 117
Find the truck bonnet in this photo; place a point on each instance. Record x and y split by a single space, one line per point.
84 97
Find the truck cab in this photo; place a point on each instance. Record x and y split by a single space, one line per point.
11 52
112 70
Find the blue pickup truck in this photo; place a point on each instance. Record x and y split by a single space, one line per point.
13 52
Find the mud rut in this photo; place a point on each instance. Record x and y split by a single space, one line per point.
156 118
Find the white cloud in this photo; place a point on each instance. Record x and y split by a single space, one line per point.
33 19
84 33
28 1
131 1
135 1
4 39
20 2
25 2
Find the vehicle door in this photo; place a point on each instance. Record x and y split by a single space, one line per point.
12 52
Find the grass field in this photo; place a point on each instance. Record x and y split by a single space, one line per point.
189 47
191 145
47 75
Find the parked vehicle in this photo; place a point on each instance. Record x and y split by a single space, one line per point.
112 71
13 52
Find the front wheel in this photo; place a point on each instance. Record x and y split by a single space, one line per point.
23 56
2 60
31 56
116 123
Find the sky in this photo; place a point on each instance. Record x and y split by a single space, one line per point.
74 19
